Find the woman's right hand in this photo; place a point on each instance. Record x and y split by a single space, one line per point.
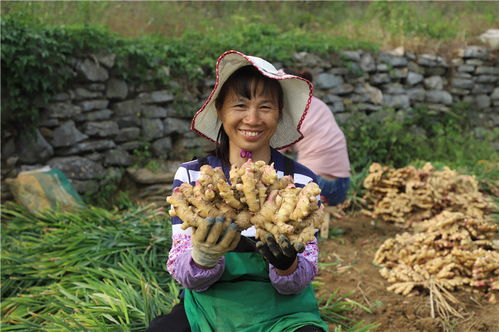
280 253
212 239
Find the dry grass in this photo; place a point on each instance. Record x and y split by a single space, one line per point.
443 305
436 27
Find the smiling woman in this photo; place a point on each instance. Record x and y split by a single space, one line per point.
249 106
253 110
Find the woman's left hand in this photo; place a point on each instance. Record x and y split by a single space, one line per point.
281 253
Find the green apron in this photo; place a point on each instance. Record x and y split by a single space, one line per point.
244 300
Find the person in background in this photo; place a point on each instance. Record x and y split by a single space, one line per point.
323 149
232 282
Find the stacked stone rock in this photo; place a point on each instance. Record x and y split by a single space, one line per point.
476 81
358 80
93 130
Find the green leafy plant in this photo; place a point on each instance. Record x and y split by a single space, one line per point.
353 69
379 137
33 61
93 269
153 165
400 19
336 232
356 190
396 139
142 155
124 202
335 307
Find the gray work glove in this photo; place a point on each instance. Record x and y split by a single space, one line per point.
212 239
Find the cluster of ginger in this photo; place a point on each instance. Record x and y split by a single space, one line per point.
451 240
255 196
407 195
451 250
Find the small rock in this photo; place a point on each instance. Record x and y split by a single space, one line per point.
31 147
466 68
67 134
475 52
482 101
414 78
439 97
97 104
146 176
479 88
117 157
93 116
495 94
156 97
162 147
462 83
116 89
484 70
327 81
396 101
77 167
92 71
101 128
62 110
107 59
127 134
486 79
434 83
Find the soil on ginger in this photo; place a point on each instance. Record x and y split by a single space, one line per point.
347 267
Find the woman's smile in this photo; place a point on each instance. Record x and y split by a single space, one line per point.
251 135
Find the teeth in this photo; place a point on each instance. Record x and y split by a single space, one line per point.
251 133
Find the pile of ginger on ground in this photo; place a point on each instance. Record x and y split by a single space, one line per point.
407 195
255 196
451 243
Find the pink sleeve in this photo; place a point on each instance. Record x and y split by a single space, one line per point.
182 268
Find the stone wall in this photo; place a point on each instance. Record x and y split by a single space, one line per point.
357 80
103 128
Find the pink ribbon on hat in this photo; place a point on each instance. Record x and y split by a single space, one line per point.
245 154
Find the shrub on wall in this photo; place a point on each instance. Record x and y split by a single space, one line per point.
398 138
35 58
32 68
36 63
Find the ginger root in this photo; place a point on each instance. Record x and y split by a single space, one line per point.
451 250
407 196
181 208
254 197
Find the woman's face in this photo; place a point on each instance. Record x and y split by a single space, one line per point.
250 122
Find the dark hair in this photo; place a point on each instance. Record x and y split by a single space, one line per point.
303 73
222 148
243 82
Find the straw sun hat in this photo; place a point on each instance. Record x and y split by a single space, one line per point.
297 93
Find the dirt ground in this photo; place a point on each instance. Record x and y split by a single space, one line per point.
346 265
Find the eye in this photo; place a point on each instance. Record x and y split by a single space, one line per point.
266 107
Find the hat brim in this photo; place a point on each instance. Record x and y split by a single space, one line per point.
297 93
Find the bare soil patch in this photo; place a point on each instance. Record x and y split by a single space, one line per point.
353 272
